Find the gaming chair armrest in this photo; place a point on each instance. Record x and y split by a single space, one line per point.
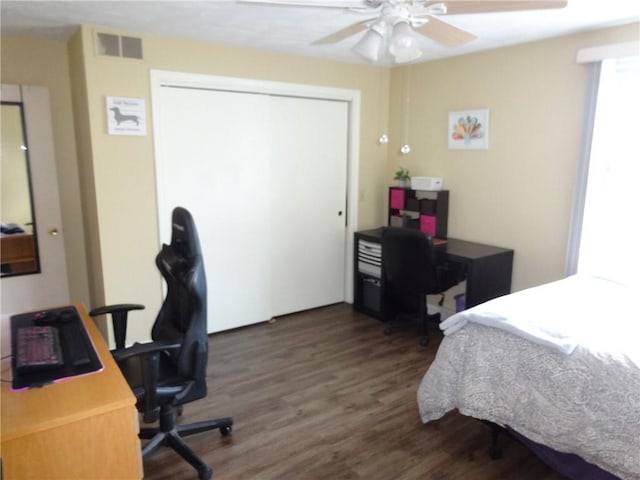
119 314
121 307
147 348
149 354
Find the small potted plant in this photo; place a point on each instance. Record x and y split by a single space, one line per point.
403 177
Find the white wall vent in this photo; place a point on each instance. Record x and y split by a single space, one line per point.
119 46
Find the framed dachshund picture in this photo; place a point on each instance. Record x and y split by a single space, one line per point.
126 116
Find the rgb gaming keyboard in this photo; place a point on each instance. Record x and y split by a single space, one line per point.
38 347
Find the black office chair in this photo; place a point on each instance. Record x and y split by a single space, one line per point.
171 370
410 273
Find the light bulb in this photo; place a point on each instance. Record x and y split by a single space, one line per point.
369 45
403 44
402 38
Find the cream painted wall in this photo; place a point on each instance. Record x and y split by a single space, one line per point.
125 232
518 193
36 62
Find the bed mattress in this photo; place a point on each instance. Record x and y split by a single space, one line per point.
585 403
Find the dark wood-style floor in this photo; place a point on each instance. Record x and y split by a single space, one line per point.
324 394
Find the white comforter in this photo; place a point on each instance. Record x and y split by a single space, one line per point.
586 402
595 313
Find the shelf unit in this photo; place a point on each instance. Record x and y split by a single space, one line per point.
427 210
368 274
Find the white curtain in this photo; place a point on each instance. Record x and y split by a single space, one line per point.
609 234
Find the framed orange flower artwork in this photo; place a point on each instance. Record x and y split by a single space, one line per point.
469 130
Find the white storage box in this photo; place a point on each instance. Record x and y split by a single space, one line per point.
426 183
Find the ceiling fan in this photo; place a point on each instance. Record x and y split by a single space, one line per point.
393 28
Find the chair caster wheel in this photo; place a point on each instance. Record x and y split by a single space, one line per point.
204 473
387 331
225 431
424 341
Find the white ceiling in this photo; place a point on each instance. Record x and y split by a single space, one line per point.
293 29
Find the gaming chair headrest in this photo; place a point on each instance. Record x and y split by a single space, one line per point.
184 235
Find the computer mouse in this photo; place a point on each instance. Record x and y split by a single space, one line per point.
45 317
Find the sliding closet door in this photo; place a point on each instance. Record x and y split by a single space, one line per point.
212 160
265 178
309 161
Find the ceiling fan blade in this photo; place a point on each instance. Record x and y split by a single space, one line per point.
460 7
311 3
444 33
344 33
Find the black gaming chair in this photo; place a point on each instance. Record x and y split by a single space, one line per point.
171 370
410 273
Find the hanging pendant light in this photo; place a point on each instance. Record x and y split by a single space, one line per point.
406 148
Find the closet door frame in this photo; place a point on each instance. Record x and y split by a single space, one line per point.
162 78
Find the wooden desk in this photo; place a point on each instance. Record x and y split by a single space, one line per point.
487 271
82 428
18 253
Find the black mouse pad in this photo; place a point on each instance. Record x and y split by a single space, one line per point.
78 354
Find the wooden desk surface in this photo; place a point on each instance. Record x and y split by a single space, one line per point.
71 405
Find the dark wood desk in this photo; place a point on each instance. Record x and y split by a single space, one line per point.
487 270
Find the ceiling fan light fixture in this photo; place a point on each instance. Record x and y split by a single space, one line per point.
403 45
406 56
438 8
370 44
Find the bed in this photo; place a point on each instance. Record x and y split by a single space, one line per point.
558 364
